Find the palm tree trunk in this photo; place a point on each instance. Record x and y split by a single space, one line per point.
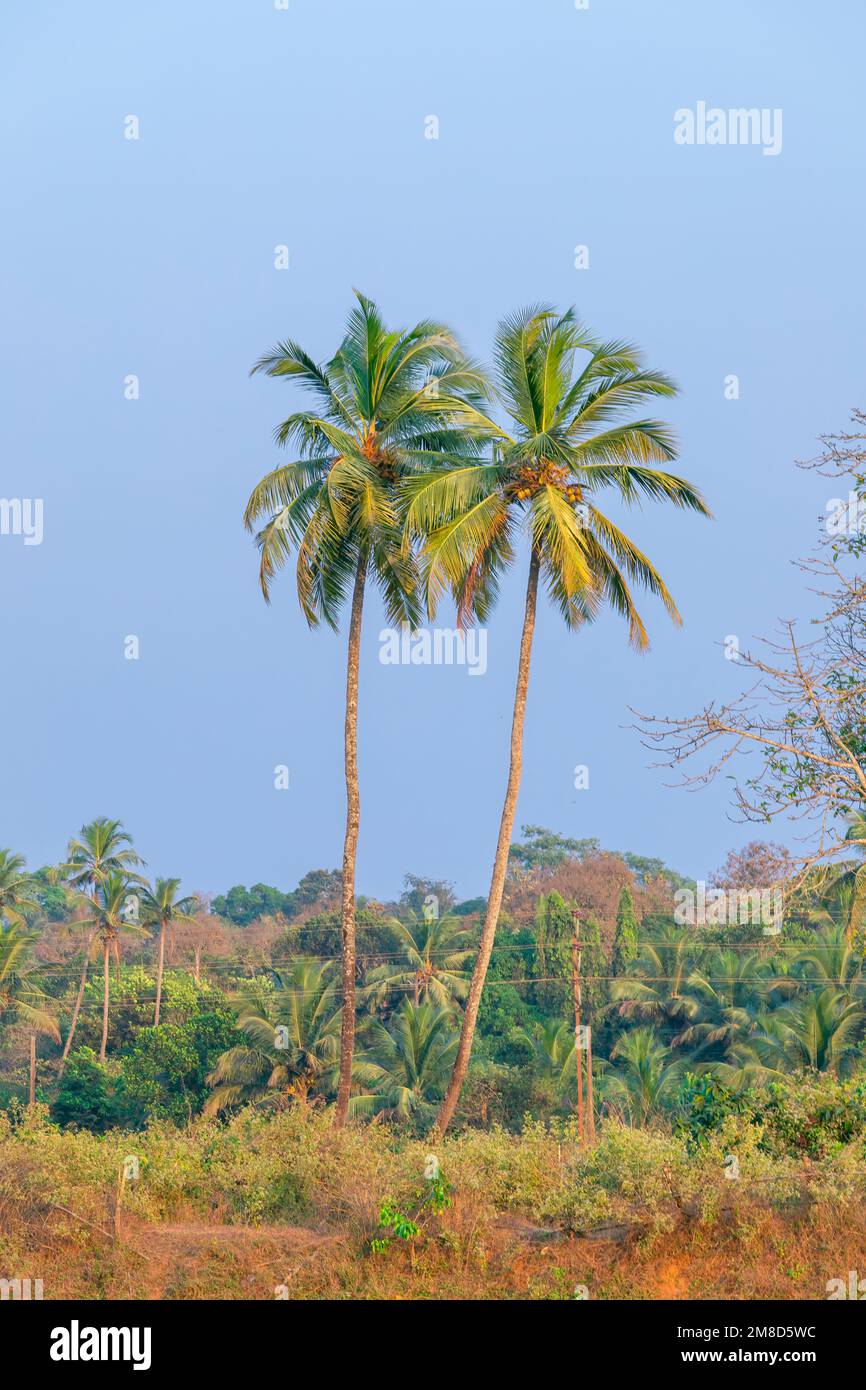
350 845
500 863
198 965
159 970
106 953
77 1010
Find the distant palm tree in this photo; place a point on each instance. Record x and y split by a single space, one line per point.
554 1053
111 917
292 1024
21 998
655 990
847 894
380 412
831 958
729 991
644 1076
404 1068
103 847
435 954
820 1032
17 889
161 907
571 436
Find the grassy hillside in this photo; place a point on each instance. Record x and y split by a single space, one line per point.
287 1206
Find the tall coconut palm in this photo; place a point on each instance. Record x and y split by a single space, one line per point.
435 954
17 889
292 1026
111 918
21 998
569 399
384 404
162 908
103 847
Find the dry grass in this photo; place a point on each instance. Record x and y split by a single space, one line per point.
268 1208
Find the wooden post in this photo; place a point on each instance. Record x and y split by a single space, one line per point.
32 1069
118 1201
575 983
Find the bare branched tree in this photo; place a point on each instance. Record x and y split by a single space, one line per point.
794 740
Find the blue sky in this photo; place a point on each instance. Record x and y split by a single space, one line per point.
155 257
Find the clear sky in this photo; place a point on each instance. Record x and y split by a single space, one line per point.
154 257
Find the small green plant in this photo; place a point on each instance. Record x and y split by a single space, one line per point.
435 1199
705 1105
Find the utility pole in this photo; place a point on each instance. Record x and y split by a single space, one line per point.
575 984
32 1070
590 1111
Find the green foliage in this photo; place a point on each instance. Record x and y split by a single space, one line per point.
131 1004
436 954
420 894
22 998
435 1199
706 1105
86 1096
472 907
505 999
542 849
242 906
645 869
17 890
165 1074
813 1115
291 1027
403 1069
322 936
554 933
625 941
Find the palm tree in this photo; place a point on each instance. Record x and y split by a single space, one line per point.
161 907
553 1052
380 411
729 992
570 437
820 1032
292 1024
655 990
435 954
831 958
21 998
644 1078
103 848
110 909
847 893
16 889
406 1066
